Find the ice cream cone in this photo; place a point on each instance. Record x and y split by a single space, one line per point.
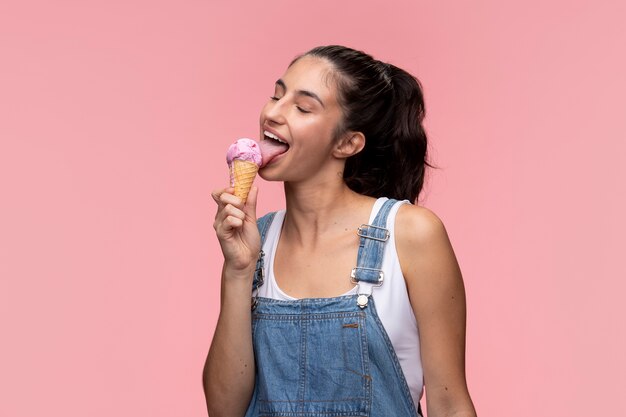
242 174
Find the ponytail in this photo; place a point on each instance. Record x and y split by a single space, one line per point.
386 104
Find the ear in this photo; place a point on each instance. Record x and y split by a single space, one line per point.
350 144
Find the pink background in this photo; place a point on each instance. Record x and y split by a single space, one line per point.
114 120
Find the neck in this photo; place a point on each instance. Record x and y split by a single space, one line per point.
313 210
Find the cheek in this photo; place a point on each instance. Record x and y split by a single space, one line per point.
321 129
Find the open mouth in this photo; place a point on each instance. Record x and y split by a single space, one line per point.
271 146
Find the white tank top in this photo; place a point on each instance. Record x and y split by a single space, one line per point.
391 298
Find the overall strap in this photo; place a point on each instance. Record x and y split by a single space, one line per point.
263 225
368 273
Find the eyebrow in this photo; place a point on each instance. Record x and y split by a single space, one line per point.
306 93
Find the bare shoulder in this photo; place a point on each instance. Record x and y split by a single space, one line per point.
423 245
418 225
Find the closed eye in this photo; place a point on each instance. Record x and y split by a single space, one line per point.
302 110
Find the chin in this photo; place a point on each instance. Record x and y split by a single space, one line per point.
267 175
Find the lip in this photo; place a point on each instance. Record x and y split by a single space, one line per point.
274 132
263 139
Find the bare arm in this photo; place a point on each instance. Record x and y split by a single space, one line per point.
228 375
437 294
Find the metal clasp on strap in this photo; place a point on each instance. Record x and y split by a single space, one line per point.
361 232
258 279
354 280
260 270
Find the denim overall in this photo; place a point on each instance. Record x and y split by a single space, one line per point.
327 357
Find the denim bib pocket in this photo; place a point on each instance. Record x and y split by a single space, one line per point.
318 364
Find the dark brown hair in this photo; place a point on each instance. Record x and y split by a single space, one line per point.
386 104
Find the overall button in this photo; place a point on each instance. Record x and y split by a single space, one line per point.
362 300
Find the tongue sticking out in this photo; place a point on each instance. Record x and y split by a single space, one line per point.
270 149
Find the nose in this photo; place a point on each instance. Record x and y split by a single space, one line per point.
274 112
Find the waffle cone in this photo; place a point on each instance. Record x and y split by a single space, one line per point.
242 174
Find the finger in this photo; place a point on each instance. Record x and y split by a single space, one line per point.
225 223
216 193
229 198
250 207
232 222
228 210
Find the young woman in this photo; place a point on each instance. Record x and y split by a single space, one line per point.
358 299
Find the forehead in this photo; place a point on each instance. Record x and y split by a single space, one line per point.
312 74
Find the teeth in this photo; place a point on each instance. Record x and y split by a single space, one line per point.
272 136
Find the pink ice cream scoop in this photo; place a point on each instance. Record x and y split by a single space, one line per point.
244 159
244 149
